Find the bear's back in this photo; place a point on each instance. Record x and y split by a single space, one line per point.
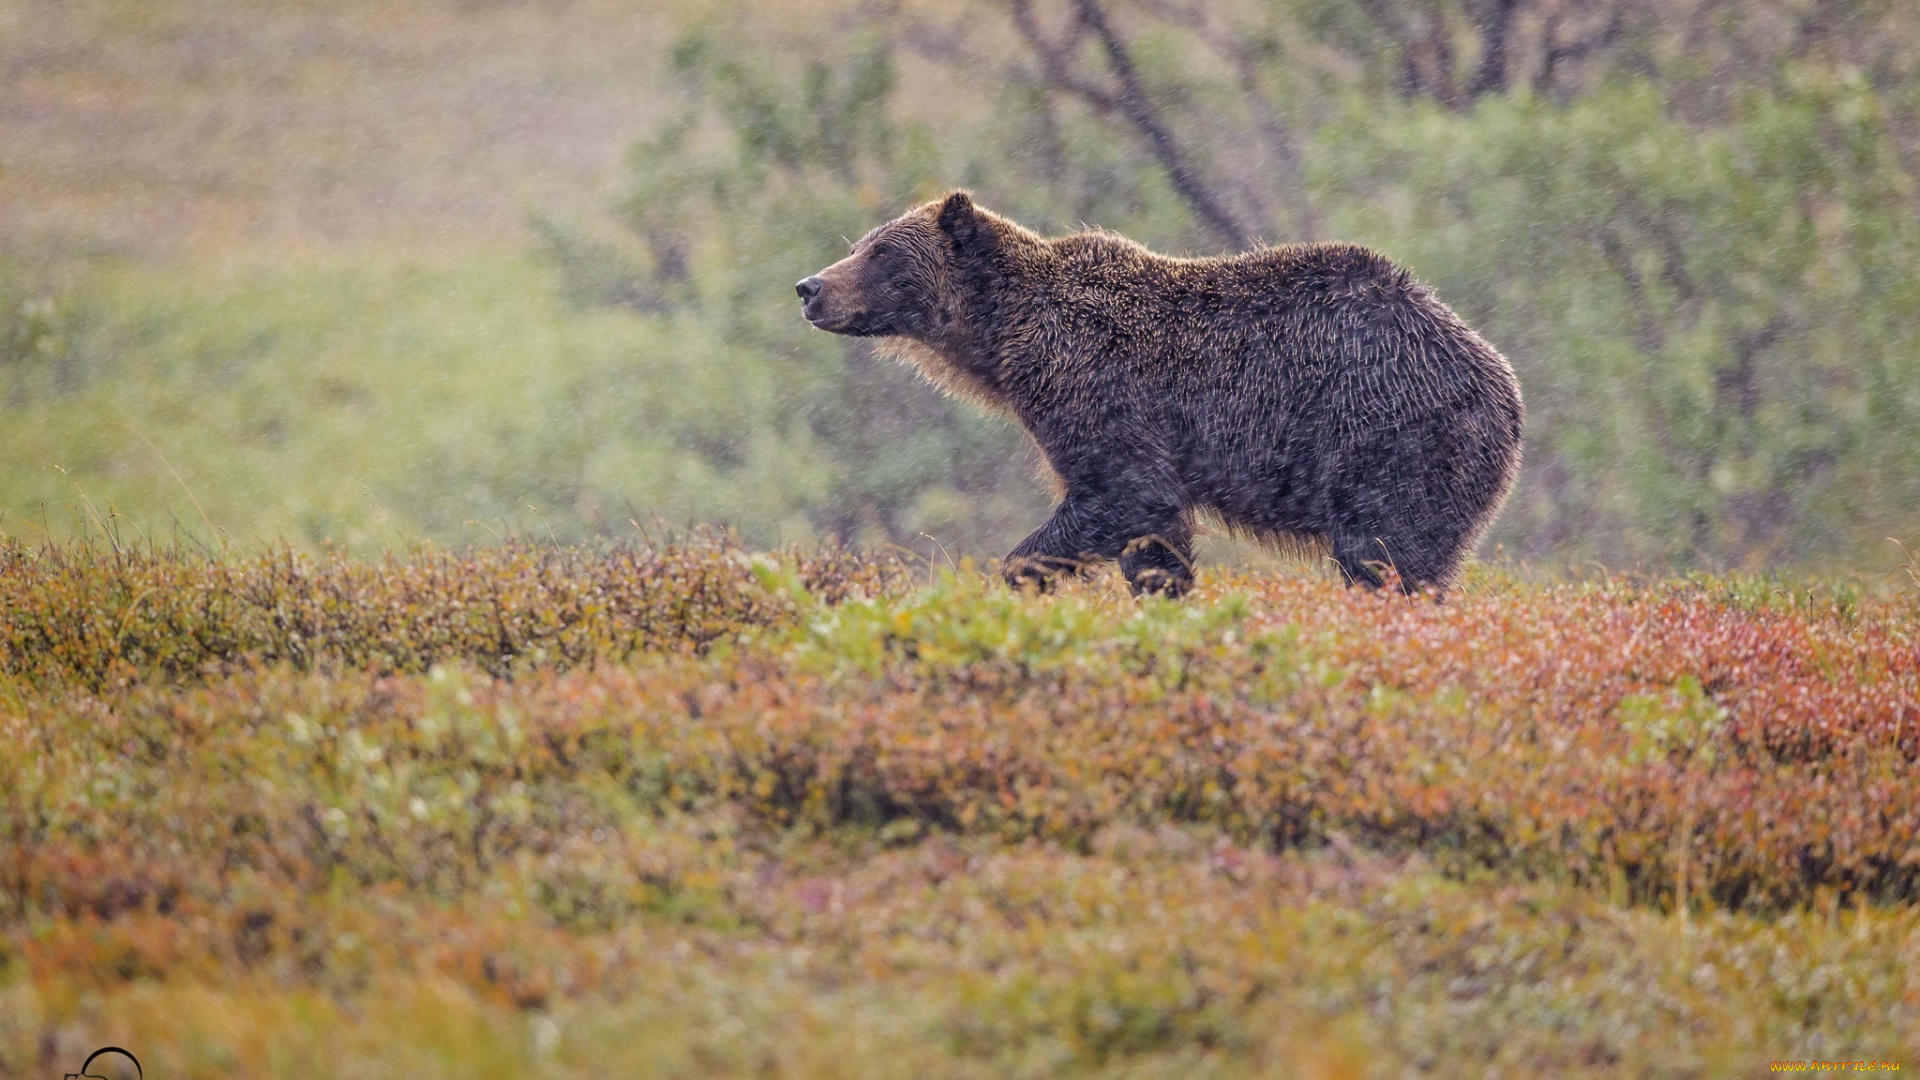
1278 375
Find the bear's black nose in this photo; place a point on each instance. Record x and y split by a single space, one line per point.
808 288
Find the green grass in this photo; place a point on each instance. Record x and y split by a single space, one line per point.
370 403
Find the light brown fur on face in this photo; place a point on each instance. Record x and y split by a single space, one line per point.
896 271
1311 390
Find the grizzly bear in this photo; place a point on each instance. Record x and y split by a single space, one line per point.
1310 390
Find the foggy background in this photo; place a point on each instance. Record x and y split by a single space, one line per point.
370 274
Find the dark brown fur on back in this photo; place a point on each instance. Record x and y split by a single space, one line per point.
1312 389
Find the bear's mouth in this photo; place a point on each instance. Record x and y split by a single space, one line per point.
858 324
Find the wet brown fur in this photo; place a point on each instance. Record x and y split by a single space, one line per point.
1310 390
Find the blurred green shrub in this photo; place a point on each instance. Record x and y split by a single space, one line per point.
42 328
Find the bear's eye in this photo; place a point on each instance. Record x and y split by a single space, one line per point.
880 251
903 284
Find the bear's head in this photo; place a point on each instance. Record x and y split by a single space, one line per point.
903 278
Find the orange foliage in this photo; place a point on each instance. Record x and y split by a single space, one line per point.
527 771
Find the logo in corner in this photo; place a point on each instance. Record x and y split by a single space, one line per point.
87 1065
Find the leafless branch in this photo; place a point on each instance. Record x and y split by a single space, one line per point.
1280 144
1139 109
1056 58
1128 99
1558 52
1495 24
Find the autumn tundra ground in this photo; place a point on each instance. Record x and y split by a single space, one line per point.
682 810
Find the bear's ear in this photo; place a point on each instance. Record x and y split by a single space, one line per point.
956 213
959 219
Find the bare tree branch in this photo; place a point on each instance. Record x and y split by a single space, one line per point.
1495 25
1439 48
1280 144
1056 58
1561 52
1055 68
1139 110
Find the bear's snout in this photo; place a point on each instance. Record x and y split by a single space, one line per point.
810 289
830 302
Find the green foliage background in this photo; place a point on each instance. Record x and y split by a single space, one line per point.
1692 228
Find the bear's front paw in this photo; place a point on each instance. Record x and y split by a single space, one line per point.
1039 572
1155 581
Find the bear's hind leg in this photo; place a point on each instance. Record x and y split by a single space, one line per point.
1365 555
1360 558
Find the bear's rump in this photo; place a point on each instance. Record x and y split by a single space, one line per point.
1304 446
